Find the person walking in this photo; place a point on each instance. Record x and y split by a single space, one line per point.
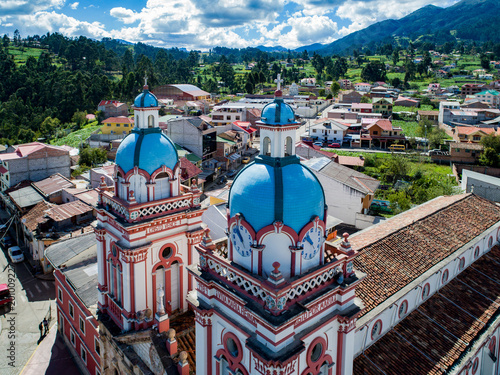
46 326
40 327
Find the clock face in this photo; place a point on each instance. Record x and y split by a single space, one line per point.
312 242
241 240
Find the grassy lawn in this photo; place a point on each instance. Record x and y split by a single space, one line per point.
21 54
74 139
409 127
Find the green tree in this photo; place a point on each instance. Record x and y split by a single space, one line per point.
335 88
485 61
92 156
489 157
436 137
79 118
491 141
395 168
365 99
374 71
425 127
395 57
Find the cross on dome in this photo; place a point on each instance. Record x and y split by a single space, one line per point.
278 80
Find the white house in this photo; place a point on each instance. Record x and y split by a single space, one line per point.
328 130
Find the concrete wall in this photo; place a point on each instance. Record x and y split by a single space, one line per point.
186 135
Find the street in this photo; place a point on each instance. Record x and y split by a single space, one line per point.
19 333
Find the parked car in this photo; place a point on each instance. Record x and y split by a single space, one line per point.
6 241
334 145
245 160
5 297
320 144
15 254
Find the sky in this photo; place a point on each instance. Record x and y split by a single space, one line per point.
203 24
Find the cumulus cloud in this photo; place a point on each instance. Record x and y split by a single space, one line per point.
127 16
74 6
23 7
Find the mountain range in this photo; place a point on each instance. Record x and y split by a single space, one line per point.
477 20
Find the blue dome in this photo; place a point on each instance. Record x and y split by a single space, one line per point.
147 149
264 193
278 113
145 99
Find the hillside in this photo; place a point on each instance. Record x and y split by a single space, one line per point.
468 19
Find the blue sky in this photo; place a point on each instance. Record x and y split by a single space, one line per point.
202 24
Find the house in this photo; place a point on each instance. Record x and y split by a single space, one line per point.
431 116
67 215
112 108
32 161
328 131
492 97
427 265
190 173
197 136
474 103
229 148
481 184
345 84
106 171
308 82
440 73
51 188
470 133
383 106
75 270
381 134
350 96
460 152
434 87
88 196
471 89
362 107
24 199
117 125
348 193
239 111
406 102
181 92
445 109
362 87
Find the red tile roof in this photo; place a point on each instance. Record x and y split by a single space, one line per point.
397 251
382 124
188 169
449 322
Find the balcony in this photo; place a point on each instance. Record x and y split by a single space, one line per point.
132 212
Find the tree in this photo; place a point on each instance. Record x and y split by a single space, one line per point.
335 88
92 156
485 61
489 157
436 137
79 118
491 141
374 71
395 57
365 99
425 127
396 167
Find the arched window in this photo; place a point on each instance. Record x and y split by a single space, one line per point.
111 275
288 146
162 186
267 146
324 368
151 121
137 121
160 282
175 286
224 367
118 284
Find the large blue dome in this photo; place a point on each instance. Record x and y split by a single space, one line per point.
277 189
145 99
277 113
147 149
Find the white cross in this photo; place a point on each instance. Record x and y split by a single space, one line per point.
278 81
145 80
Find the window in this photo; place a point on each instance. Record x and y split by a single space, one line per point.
109 124
97 372
151 121
461 264
445 276
403 309
490 242
97 346
83 354
167 252
475 365
72 338
316 352
375 132
476 252
117 125
71 310
232 347
82 325
376 329
426 291
59 294
334 132
125 125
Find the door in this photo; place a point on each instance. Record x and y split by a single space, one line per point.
175 286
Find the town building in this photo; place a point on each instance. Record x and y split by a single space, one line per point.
148 225
382 106
471 89
350 96
362 87
492 97
117 125
181 92
52 187
278 302
471 134
32 161
381 134
431 116
112 108
481 184
348 193
328 131
228 113
75 273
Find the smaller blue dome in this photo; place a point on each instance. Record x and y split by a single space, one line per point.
278 113
145 99
148 149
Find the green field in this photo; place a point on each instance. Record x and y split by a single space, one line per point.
21 54
75 139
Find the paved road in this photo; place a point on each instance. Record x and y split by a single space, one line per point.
19 326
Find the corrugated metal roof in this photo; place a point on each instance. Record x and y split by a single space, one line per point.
26 197
68 210
63 251
53 184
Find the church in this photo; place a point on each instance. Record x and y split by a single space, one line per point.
417 294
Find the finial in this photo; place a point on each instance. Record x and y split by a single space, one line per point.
276 266
146 82
346 236
278 81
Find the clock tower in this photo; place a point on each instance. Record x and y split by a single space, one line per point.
268 300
